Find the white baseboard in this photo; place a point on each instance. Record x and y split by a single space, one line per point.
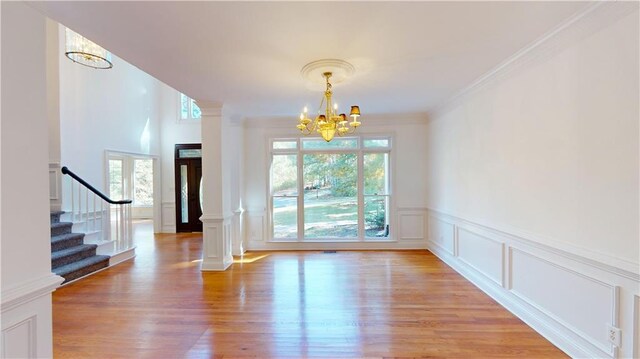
120 257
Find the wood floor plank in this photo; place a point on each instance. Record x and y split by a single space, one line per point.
367 304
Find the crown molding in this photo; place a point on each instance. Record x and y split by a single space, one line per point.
592 18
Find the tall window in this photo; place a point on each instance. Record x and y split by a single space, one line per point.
188 108
330 191
142 182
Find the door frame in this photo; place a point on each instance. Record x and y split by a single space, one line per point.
176 166
157 180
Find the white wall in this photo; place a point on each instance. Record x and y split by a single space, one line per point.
533 183
27 280
172 132
117 109
408 173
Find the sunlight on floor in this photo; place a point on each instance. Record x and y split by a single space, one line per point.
250 258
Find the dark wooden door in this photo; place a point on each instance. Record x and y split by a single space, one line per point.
188 167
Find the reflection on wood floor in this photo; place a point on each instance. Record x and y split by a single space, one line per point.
283 305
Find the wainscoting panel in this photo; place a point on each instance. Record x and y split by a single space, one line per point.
55 186
482 253
636 325
26 318
19 340
168 217
257 225
442 233
569 299
586 305
411 224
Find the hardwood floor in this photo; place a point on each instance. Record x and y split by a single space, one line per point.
284 305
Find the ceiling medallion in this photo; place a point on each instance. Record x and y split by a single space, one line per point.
329 123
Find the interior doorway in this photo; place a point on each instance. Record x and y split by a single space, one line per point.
135 177
188 174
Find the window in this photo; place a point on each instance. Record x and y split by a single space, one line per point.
188 108
338 190
143 182
116 179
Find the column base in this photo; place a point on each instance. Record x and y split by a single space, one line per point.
216 246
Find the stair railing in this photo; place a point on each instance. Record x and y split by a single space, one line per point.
99 213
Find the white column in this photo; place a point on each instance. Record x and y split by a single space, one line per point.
216 217
27 281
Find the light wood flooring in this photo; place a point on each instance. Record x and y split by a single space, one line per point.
284 305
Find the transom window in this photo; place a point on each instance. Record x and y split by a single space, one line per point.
338 190
188 108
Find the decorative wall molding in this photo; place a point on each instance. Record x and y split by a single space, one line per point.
568 299
216 251
20 339
16 296
593 17
589 257
636 325
411 224
256 226
168 215
54 180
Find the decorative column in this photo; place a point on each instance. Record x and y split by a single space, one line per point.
216 217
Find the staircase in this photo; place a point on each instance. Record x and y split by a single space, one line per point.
70 257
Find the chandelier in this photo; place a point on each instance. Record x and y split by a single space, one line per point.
85 52
330 123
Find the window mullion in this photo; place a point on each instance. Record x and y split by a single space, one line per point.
300 181
361 233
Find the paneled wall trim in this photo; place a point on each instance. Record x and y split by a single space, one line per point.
26 318
571 300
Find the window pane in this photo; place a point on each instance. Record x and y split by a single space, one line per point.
184 106
115 180
280 145
376 222
143 182
284 175
285 217
184 194
376 167
330 196
195 110
190 153
379 142
336 143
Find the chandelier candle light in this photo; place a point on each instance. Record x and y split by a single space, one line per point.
329 123
85 52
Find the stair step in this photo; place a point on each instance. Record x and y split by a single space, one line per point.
72 254
67 240
55 216
81 268
60 228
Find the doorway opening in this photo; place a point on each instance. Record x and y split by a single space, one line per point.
134 177
188 174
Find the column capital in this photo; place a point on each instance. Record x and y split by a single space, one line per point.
210 108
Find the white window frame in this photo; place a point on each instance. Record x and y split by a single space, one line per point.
359 150
189 119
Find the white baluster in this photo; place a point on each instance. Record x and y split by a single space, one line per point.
73 202
94 213
86 210
79 203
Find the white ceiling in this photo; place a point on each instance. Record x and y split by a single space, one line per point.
409 56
